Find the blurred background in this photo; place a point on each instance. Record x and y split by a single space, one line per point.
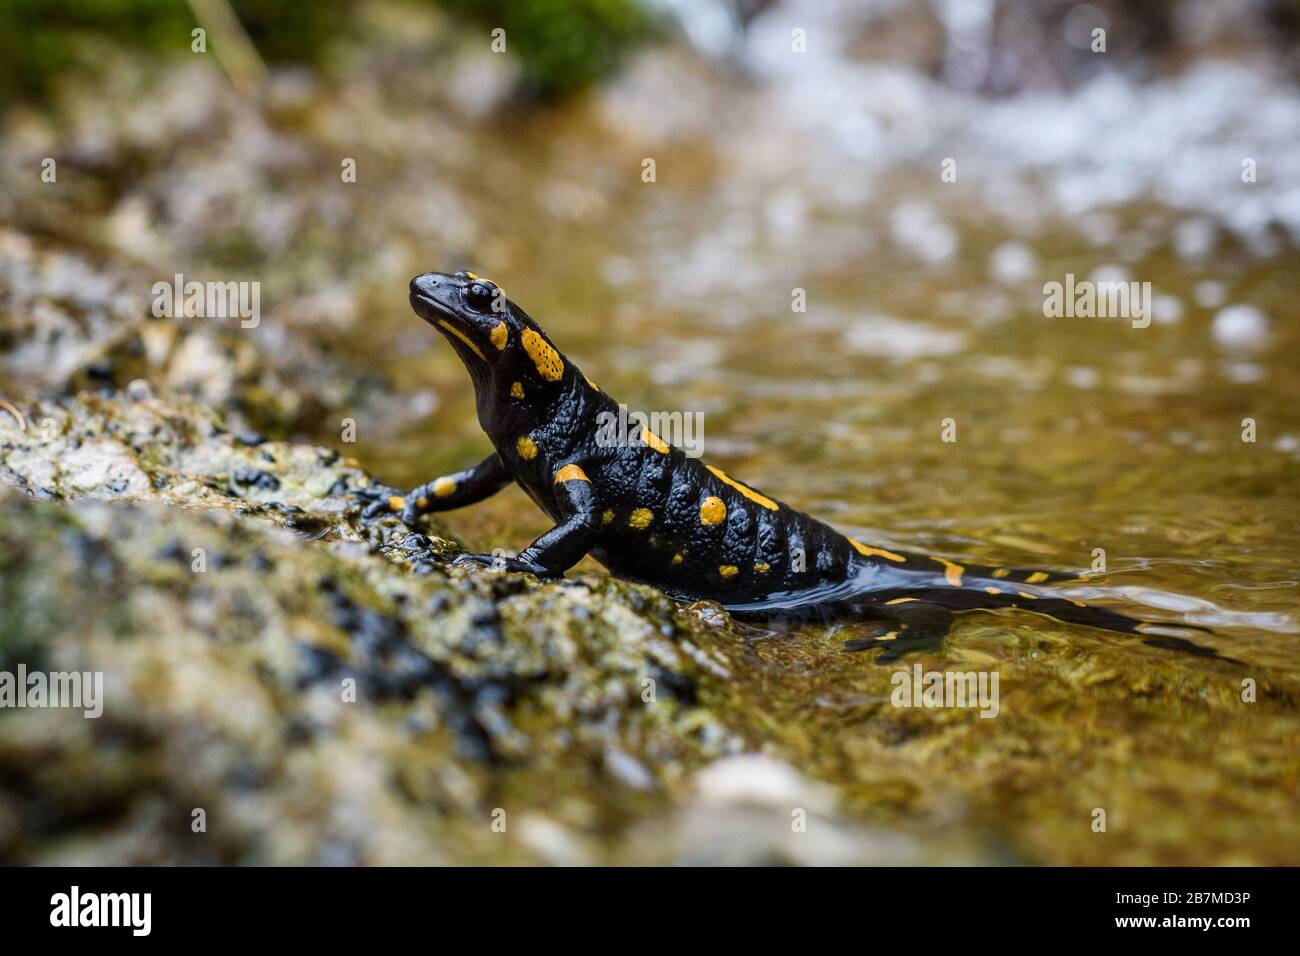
776 170
796 145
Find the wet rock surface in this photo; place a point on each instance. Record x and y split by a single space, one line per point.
271 661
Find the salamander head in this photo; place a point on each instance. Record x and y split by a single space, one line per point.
507 355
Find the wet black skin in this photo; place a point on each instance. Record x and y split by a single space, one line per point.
785 562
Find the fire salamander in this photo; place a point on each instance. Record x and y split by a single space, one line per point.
648 512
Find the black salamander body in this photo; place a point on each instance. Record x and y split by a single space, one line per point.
648 512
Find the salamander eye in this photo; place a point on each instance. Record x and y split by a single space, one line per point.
480 296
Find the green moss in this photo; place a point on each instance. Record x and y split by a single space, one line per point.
42 39
562 44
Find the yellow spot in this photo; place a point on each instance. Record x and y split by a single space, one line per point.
1001 573
712 511
593 385
463 337
442 487
728 570
888 637
1076 603
606 516
421 502
640 519
571 473
396 503
878 552
749 493
526 447
1036 577
654 441
951 572
549 364
517 390
475 275
677 558
499 335
901 600
762 568
993 590
1029 597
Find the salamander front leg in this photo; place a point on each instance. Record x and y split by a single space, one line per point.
444 493
564 545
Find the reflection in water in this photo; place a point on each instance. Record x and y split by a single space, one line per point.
1193 609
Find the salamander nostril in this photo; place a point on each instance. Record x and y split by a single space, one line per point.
425 283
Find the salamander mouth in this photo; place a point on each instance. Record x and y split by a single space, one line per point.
447 321
430 309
